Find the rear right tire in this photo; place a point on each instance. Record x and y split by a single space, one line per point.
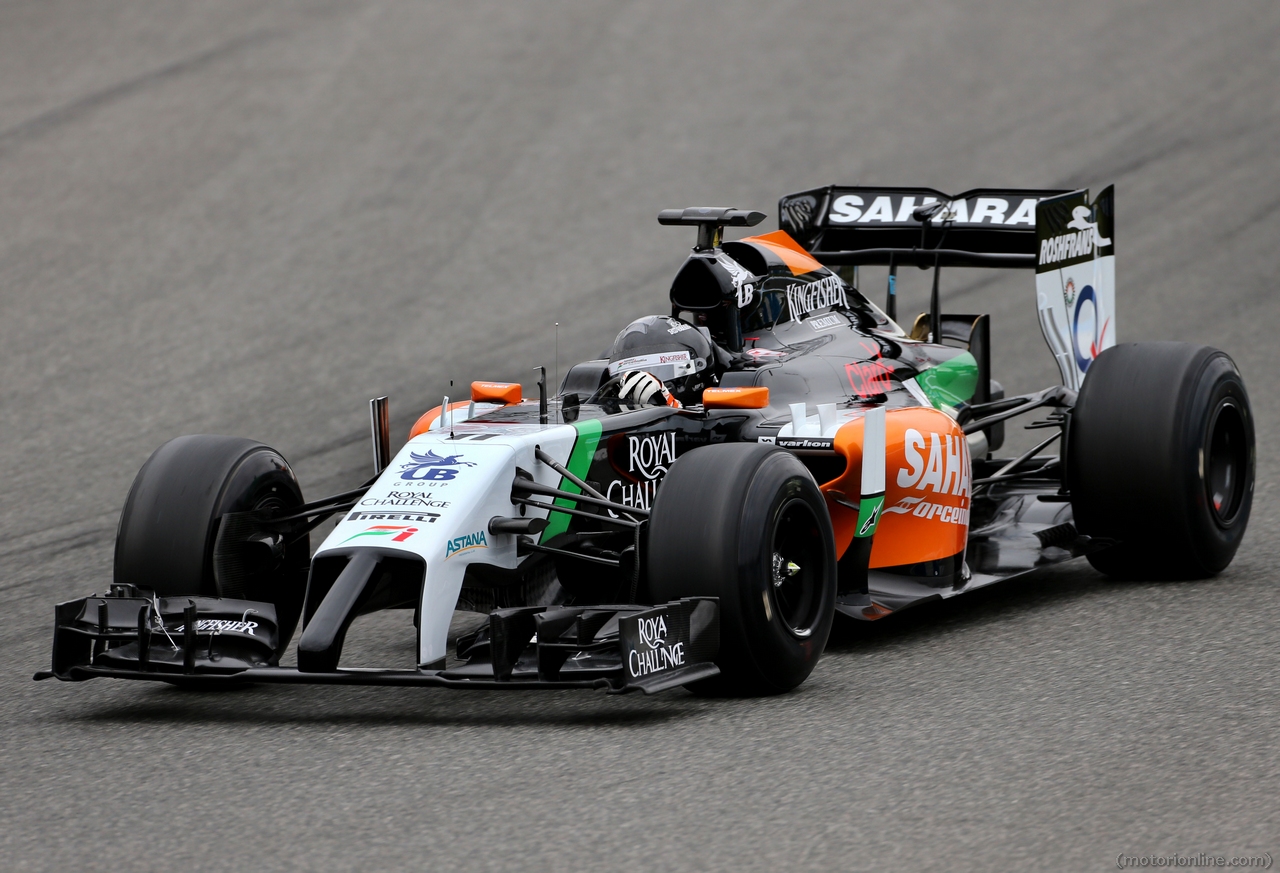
1160 457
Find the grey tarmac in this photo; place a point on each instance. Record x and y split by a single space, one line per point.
249 218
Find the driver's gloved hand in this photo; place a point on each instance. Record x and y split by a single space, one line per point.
640 388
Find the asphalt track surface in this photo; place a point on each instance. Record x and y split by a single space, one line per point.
249 218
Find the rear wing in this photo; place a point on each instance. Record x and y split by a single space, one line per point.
1066 237
985 227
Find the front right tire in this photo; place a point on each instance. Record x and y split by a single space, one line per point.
747 524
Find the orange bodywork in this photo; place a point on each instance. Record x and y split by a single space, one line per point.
927 485
505 393
422 425
735 398
787 250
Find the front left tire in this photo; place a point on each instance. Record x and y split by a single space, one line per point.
169 524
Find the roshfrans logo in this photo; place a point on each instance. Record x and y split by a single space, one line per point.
397 532
465 543
432 467
1084 242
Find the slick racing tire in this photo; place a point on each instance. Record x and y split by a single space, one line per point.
170 523
1160 457
746 523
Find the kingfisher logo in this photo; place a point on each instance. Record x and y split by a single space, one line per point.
397 532
432 467
458 545
806 297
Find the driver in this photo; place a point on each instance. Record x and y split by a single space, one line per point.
663 361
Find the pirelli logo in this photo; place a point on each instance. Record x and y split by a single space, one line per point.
420 517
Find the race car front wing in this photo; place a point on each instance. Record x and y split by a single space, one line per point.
132 634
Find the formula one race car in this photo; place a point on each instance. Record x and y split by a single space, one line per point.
695 506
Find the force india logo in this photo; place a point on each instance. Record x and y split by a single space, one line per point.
946 471
654 654
649 456
397 532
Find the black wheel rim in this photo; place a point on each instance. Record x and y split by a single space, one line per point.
1225 462
797 568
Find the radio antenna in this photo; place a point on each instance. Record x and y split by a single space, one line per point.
557 357
449 411
542 394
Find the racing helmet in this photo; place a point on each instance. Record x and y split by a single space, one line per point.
677 353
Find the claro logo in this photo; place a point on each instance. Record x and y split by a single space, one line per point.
945 471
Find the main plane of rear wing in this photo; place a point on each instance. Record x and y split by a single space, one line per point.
984 227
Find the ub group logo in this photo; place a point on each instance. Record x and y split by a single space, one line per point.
432 467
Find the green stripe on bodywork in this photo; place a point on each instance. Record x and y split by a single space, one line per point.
584 448
869 515
951 382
